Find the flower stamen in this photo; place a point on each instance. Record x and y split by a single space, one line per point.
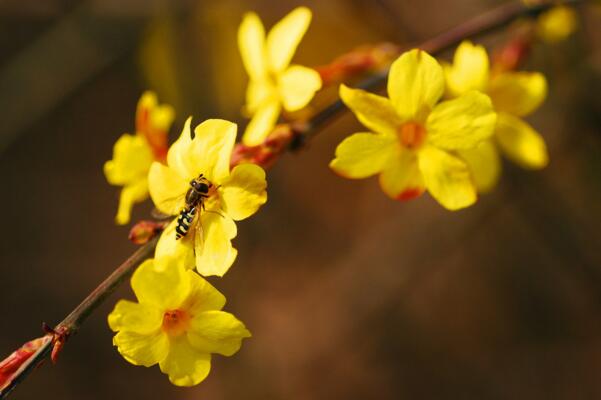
175 322
412 134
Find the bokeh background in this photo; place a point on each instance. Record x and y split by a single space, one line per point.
349 295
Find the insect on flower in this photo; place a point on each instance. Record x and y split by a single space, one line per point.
195 196
206 197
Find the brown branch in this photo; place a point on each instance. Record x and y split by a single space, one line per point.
71 324
479 25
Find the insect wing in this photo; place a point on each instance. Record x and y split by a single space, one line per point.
199 237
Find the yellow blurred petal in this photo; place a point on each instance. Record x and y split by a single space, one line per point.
485 165
131 159
297 86
363 154
203 296
244 191
217 332
258 93
142 349
285 36
557 24
469 70
211 149
167 188
215 254
135 192
415 84
179 252
151 115
251 42
177 156
447 178
521 143
518 93
261 124
461 123
185 365
401 178
373 111
164 288
135 317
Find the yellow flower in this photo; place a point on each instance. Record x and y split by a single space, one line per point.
177 323
414 139
233 196
274 83
556 24
514 95
133 154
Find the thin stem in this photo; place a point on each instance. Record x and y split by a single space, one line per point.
71 324
481 24
477 26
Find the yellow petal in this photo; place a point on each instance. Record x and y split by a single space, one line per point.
177 156
135 192
211 149
261 124
135 317
152 117
485 165
415 84
518 93
259 92
401 178
557 24
203 296
461 123
363 154
142 349
214 253
131 159
244 191
163 288
180 252
251 42
298 86
217 332
185 365
167 188
375 112
285 36
469 70
521 143
447 178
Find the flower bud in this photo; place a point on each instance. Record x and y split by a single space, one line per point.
145 230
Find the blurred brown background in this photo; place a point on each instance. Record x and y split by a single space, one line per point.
349 295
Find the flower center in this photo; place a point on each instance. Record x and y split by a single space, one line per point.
411 134
175 322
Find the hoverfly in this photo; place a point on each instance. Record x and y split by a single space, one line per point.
194 200
195 197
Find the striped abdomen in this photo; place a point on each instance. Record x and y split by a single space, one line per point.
185 218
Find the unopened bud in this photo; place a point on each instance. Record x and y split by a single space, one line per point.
13 362
145 230
267 152
359 61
